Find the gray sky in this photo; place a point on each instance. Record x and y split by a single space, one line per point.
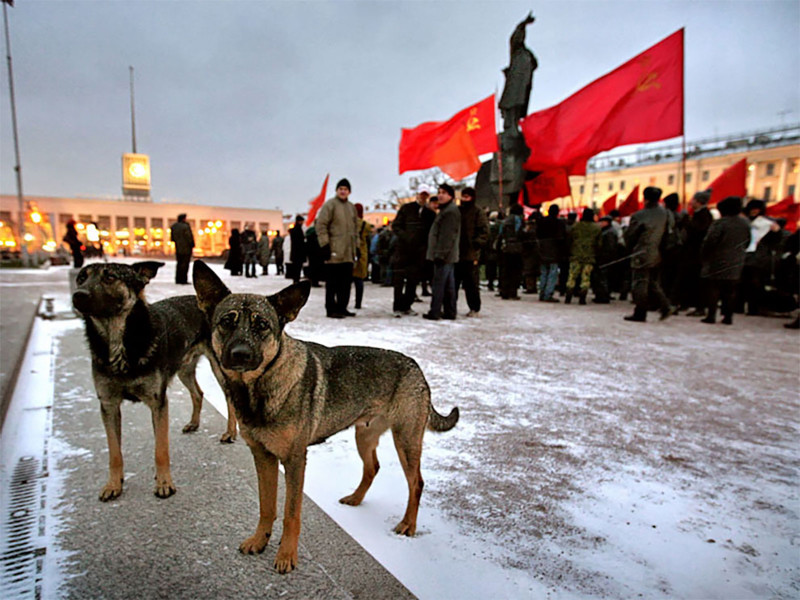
251 103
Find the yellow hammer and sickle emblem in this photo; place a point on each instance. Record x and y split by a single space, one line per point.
473 122
647 79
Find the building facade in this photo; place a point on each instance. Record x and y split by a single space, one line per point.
125 227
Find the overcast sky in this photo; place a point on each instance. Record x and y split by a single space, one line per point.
250 104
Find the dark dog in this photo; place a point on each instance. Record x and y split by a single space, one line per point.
136 350
290 394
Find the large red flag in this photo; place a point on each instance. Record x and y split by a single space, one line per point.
640 101
547 186
609 205
317 203
786 209
452 145
732 182
631 204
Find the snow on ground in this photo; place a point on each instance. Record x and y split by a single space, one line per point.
594 457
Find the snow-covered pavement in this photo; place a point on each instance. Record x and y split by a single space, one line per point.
594 457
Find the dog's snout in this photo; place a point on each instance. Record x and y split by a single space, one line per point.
240 356
81 300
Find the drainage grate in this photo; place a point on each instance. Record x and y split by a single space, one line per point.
21 560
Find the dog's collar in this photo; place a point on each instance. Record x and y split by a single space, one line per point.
268 366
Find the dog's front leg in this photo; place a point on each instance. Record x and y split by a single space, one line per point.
160 414
295 468
267 471
112 421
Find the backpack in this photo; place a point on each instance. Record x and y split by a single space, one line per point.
509 241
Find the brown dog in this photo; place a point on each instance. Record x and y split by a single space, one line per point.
290 394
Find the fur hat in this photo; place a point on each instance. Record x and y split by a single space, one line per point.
672 201
730 206
652 194
468 191
344 183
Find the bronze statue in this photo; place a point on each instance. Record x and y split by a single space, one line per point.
519 78
504 178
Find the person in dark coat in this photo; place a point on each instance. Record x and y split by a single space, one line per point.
688 295
234 262
605 261
474 235
511 234
316 262
263 252
490 255
643 239
671 246
297 252
530 255
722 258
249 252
552 234
410 227
182 237
443 242
71 239
276 249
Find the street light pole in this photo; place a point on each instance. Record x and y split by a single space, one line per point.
133 115
17 167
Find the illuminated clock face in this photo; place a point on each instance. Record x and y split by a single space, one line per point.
137 170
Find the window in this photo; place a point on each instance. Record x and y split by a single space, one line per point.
688 178
610 185
64 218
139 222
85 218
705 175
122 222
157 222
767 193
595 188
104 222
622 185
770 169
671 180
790 190
581 190
236 225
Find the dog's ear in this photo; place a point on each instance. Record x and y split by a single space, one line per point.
290 300
147 269
210 289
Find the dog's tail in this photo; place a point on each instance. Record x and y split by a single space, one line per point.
437 422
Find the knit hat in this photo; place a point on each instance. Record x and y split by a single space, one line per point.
730 206
344 183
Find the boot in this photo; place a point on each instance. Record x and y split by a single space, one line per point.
639 315
582 299
568 298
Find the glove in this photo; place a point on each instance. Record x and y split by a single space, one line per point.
439 262
325 252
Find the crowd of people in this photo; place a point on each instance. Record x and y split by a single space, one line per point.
702 261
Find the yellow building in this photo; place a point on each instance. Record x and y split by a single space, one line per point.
125 226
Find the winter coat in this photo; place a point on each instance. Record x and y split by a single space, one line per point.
249 245
263 250
234 262
445 234
360 267
723 249
607 247
474 232
510 239
411 226
584 239
643 236
696 229
276 247
530 248
297 252
337 227
181 234
552 234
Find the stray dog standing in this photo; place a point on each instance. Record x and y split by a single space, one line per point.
289 394
136 350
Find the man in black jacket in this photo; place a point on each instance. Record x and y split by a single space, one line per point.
643 239
474 234
183 238
688 295
410 225
443 241
552 233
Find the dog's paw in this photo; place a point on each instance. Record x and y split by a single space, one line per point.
285 561
110 491
404 528
255 544
164 488
190 427
227 438
351 500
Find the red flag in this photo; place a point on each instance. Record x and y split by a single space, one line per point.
786 209
609 205
732 182
317 203
452 145
547 186
640 101
631 204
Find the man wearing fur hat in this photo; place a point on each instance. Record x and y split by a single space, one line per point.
337 228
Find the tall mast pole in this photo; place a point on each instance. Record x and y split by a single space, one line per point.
17 168
133 114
